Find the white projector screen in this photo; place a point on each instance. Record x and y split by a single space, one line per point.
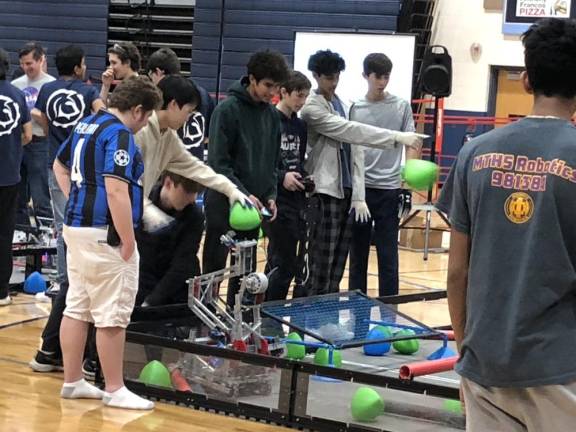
354 47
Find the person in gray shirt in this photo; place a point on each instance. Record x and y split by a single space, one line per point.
382 179
34 168
512 267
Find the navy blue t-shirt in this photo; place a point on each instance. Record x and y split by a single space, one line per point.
13 115
64 103
345 156
292 156
196 128
100 146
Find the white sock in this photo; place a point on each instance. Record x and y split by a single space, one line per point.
81 390
124 398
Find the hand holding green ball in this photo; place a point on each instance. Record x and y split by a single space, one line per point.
243 218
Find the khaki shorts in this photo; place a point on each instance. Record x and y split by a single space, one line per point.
548 408
103 286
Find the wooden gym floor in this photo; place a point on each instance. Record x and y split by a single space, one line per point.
30 402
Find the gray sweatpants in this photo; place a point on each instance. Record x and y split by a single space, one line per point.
535 409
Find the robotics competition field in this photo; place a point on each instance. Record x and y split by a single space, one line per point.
335 362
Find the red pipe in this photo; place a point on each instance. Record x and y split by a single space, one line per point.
179 382
412 370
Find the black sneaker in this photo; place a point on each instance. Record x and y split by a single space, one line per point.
43 362
89 369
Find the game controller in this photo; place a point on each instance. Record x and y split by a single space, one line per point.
266 214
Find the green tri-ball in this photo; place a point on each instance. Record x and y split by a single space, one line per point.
155 374
295 351
420 174
366 405
243 218
322 357
406 346
454 406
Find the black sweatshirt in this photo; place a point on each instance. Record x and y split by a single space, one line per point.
169 258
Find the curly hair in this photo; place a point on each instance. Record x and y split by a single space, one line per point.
268 65
550 57
326 63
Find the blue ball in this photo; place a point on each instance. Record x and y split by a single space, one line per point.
378 349
34 284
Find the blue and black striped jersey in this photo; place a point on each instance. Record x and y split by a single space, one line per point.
100 146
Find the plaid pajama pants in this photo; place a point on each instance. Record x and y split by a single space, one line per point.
328 243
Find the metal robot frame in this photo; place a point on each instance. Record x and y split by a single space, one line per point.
204 301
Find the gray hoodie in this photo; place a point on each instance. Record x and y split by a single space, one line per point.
327 130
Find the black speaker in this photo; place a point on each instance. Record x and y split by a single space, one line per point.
436 78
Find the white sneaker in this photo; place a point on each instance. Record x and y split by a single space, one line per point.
19 237
5 301
53 288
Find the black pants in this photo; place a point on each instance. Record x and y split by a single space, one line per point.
214 254
286 247
51 332
8 202
383 206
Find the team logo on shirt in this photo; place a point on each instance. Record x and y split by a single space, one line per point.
519 207
9 115
194 131
31 94
65 108
121 158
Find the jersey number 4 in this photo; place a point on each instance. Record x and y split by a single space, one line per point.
75 172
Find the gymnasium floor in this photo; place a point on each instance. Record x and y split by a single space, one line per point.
30 401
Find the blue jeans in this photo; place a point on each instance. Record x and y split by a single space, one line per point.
58 208
34 183
383 206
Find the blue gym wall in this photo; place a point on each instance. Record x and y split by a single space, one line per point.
252 25
55 24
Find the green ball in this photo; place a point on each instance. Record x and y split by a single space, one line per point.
322 357
366 405
243 218
155 374
453 406
293 351
420 174
406 346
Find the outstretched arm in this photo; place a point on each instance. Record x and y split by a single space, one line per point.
186 165
338 128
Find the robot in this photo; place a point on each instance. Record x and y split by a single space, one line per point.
221 378
205 303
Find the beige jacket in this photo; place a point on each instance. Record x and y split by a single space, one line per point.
165 151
